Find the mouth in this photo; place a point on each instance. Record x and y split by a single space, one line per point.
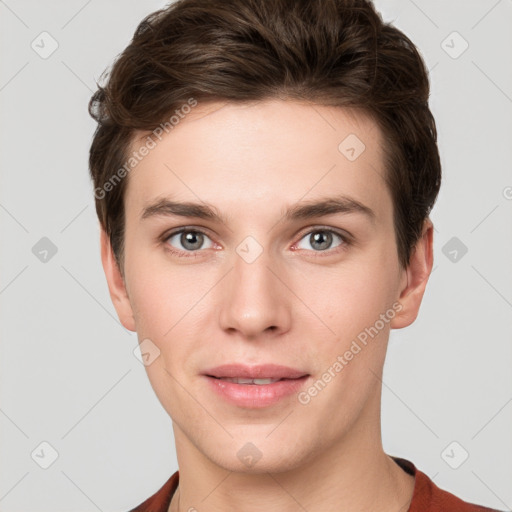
255 373
257 382
255 393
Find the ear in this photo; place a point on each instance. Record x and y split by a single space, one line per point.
116 284
415 278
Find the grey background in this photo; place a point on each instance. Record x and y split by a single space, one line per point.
68 373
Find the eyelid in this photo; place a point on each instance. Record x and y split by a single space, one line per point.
319 227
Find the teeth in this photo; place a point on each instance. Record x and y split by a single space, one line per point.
259 382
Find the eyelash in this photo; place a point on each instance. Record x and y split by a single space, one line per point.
346 242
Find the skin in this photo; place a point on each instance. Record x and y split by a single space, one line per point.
301 308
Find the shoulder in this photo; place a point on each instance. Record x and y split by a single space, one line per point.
429 497
160 500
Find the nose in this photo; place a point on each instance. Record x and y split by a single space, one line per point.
255 301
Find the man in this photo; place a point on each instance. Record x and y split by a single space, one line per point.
264 173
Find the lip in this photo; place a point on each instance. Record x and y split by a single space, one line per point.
261 371
255 396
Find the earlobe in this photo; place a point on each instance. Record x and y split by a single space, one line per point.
416 277
116 284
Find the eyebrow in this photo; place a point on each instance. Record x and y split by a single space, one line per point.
300 211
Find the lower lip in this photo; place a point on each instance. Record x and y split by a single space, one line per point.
255 395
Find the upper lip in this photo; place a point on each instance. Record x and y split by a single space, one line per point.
269 371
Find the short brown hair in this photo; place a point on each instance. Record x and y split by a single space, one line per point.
331 52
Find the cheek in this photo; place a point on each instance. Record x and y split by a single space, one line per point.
351 304
156 290
167 302
351 297
148 301
151 298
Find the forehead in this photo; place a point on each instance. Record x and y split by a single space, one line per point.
273 152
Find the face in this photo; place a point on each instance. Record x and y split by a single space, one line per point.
268 280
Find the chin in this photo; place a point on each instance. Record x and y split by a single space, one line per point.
257 455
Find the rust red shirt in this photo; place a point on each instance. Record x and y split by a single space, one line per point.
427 497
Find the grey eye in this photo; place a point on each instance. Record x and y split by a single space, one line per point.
190 240
320 239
